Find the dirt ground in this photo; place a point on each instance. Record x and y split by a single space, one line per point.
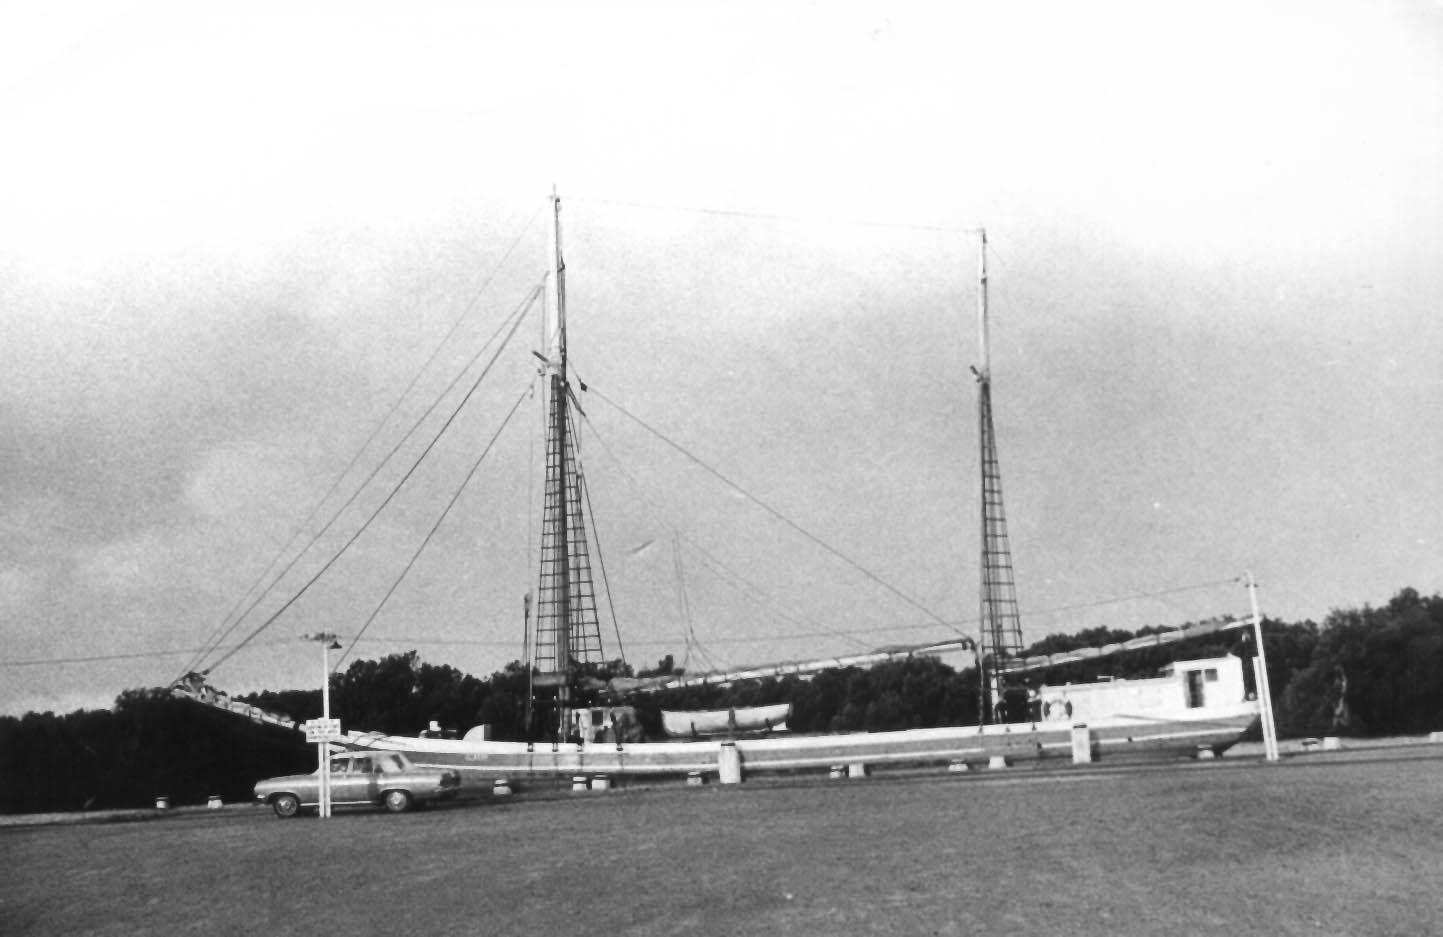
1342 843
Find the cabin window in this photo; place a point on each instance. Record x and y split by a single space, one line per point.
1194 689
1211 675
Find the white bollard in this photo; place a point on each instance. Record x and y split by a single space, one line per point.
601 783
1081 744
837 772
578 783
501 787
162 802
729 763
214 802
856 769
958 767
1331 743
694 779
996 762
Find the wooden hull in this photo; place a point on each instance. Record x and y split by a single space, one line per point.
1214 730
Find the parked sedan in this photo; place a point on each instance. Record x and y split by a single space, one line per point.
386 779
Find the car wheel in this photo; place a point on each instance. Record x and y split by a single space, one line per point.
286 805
398 801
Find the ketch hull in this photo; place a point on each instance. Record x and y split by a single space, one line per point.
478 761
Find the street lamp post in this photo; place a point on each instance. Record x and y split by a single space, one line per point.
328 642
1260 675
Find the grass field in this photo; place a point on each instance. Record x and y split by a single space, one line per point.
1343 843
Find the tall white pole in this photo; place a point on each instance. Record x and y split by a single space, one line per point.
1260 672
325 641
323 748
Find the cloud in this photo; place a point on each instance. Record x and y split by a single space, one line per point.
135 564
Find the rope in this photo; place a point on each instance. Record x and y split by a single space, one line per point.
394 491
224 630
601 562
775 216
747 588
772 511
456 496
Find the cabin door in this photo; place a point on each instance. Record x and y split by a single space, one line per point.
1194 689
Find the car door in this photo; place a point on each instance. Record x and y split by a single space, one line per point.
348 780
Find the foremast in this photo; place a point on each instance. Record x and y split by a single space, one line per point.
1001 628
568 632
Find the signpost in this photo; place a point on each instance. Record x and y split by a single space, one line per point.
324 730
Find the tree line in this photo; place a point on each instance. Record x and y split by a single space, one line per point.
1370 670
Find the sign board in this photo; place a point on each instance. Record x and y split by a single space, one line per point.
322 730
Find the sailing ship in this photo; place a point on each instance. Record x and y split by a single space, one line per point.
1195 707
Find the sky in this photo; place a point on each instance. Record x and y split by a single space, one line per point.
232 237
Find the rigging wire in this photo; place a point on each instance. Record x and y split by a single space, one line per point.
601 560
689 639
775 216
103 658
456 496
224 630
659 642
747 588
771 510
519 313
396 489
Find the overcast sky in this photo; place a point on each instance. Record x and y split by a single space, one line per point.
228 241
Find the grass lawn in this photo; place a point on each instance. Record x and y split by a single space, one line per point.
1346 844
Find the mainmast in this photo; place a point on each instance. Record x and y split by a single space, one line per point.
567 629
1000 623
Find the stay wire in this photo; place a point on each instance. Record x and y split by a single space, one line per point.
396 489
480 291
601 561
771 510
776 216
416 425
456 496
748 589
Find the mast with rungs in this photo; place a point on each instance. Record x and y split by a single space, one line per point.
1000 623
567 630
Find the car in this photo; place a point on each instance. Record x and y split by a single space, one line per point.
373 778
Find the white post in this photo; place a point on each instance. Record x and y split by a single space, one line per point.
729 764
325 748
327 640
1260 673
